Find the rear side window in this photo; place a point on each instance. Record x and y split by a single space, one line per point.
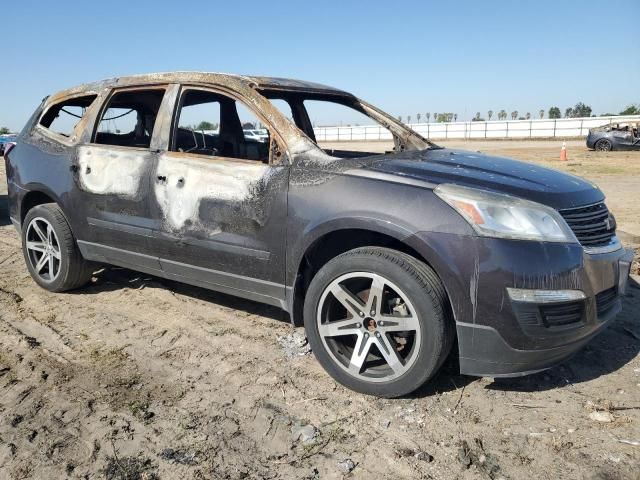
129 117
63 117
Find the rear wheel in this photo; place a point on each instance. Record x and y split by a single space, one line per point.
603 145
50 250
377 321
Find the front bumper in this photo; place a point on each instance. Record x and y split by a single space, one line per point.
501 337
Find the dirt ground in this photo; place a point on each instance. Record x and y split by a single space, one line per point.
136 377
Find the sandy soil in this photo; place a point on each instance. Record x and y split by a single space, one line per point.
135 377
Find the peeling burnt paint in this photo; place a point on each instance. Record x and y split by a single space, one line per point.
111 171
191 181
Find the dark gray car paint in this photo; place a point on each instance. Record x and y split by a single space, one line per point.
311 195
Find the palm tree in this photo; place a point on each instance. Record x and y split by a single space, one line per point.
502 114
514 114
435 117
400 118
528 116
490 114
455 117
418 116
428 115
541 112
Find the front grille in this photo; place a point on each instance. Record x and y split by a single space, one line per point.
606 300
562 314
592 225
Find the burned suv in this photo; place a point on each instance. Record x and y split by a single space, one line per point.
615 136
390 260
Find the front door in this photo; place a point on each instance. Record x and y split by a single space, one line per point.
220 200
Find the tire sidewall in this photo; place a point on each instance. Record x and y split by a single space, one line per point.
431 322
45 211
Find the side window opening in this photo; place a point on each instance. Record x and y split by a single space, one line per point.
63 117
129 117
216 125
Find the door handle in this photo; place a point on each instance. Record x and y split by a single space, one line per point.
162 179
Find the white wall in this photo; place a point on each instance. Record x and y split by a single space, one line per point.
540 128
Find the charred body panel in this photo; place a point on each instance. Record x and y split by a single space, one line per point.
261 229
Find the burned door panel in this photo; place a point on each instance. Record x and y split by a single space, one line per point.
226 216
112 191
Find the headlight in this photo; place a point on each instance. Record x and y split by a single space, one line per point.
504 216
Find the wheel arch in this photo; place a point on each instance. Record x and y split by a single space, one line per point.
36 195
333 239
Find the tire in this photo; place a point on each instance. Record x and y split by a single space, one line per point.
370 352
603 145
46 233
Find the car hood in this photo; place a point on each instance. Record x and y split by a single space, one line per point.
499 174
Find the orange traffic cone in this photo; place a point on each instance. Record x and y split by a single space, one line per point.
563 152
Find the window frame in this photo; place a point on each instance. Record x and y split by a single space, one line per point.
79 127
105 106
274 135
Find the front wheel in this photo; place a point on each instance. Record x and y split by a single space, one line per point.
378 321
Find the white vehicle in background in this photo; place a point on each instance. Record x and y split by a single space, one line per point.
259 135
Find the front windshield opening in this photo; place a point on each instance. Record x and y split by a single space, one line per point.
344 126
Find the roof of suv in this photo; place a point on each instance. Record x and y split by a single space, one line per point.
269 83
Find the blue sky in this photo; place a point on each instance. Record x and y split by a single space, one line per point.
404 56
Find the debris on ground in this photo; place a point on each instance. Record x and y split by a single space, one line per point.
181 457
417 454
423 456
130 468
346 466
295 344
304 433
476 456
599 416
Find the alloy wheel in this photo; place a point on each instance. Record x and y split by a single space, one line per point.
369 326
43 249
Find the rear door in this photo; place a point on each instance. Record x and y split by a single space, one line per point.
220 199
112 173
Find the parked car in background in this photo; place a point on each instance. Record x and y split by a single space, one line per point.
389 260
616 136
256 135
6 140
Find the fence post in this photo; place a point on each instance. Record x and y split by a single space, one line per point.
485 129
446 130
507 134
581 125
530 127
555 121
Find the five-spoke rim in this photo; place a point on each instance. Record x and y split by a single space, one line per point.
369 326
603 145
43 249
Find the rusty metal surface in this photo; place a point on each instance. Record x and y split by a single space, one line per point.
244 88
